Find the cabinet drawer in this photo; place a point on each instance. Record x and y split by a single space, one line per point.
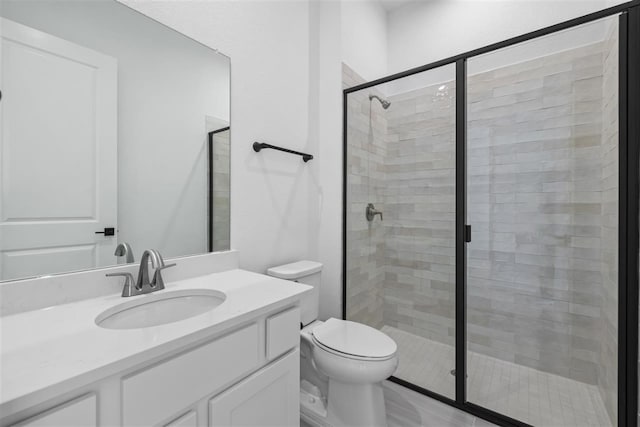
283 332
79 412
157 393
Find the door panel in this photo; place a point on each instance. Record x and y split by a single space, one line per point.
401 267
58 153
24 263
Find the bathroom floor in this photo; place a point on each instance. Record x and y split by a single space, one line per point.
406 408
536 397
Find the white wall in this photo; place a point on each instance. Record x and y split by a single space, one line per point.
286 89
161 74
364 37
272 193
327 72
424 32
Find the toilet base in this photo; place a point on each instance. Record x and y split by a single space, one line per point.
313 410
345 410
356 405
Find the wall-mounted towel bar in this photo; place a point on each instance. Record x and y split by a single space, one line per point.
257 146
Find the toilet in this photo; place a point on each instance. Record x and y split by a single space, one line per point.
342 363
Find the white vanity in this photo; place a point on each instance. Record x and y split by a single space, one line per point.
236 363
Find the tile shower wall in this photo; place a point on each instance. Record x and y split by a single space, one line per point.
608 356
221 191
365 240
419 291
535 172
542 267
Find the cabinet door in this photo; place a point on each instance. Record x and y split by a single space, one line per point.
190 419
270 397
79 412
161 391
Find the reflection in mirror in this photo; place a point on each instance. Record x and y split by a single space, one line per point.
105 118
220 195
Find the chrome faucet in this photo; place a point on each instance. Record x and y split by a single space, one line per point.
157 282
124 249
143 273
143 285
129 288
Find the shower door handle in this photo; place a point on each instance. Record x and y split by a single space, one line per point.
467 233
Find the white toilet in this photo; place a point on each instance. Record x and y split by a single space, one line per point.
342 363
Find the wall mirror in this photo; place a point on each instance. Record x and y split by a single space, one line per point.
114 130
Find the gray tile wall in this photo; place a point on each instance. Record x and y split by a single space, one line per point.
535 179
365 240
221 192
419 295
608 356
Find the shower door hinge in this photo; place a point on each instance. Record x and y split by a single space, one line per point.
467 233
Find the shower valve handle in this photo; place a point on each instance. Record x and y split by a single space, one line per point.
371 212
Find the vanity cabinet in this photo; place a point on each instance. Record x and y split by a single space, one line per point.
158 392
80 412
270 397
246 376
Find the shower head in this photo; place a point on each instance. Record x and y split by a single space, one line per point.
384 102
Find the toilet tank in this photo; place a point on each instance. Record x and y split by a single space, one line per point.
308 273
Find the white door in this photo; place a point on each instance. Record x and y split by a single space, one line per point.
58 154
270 397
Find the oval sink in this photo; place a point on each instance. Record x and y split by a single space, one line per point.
159 309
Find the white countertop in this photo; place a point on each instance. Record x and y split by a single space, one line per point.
50 351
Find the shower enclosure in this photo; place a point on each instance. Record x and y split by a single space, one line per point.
491 222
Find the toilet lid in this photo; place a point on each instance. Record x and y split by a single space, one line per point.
354 338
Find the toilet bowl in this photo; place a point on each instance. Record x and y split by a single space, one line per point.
343 363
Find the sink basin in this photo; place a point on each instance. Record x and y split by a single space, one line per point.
159 309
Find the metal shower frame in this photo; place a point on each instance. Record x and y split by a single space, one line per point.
629 142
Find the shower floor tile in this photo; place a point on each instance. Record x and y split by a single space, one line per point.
520 392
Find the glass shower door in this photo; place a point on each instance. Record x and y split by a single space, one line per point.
542 200
401 264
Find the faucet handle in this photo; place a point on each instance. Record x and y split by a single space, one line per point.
129 288
158 258
158 282
371 212
166 266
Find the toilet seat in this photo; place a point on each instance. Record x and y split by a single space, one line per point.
353 340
